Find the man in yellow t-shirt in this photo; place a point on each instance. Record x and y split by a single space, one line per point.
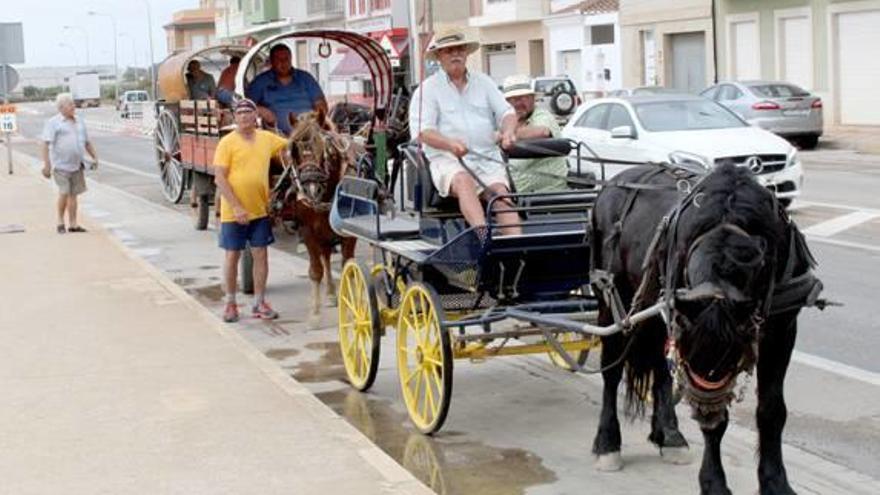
241 162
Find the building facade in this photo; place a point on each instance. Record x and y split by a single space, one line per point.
512 36
583 43
829 47
192 29
668 43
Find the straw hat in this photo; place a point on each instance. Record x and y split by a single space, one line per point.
449 38
517 85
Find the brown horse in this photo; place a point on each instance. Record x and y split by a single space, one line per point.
320 160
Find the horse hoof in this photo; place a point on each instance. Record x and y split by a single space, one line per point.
608 463
676 455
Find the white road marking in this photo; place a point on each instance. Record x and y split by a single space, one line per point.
837 225
835 242
801 204
125 168
837 368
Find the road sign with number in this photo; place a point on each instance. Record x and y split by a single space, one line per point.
8 122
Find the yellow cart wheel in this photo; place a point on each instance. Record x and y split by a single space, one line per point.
580 357
359 326
424 358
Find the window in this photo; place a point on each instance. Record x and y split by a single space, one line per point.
710 93
779 91
594 117
729 93
380 5
686 115
545 86
617 117
602 34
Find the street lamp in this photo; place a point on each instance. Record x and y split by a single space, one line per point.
115 58
72 50
152 58
86 34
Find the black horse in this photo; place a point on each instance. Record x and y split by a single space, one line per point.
735 272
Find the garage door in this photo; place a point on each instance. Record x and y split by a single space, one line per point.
795 51
689 61
859 67
746 51
501 65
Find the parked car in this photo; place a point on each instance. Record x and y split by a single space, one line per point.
642 91
556 94
779 107
684 129
131 103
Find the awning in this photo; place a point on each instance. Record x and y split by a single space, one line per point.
351 66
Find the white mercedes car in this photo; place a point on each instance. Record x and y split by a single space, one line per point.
683 129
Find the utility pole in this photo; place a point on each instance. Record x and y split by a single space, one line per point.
152 58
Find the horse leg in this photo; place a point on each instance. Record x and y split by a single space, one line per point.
328 272
776 345
712 478
664 423
348 245
316 271
606 445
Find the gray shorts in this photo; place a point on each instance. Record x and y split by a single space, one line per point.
70 183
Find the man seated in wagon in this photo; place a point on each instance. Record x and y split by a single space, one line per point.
284 90
200 84
454 112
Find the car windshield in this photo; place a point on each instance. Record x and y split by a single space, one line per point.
778 90
547 85
685 115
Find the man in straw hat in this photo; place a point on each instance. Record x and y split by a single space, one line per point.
457 111
537 174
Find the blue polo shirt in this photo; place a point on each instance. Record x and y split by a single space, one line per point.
296 97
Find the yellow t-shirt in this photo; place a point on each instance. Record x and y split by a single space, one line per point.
248 165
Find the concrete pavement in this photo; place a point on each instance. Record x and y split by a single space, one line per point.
117 381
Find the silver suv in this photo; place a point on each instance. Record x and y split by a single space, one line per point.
558 95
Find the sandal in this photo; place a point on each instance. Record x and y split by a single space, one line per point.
60 229
77 229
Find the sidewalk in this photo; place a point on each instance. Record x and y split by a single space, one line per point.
117 381
860 139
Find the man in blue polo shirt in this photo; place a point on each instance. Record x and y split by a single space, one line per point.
283 90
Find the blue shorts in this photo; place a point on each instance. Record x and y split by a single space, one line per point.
256 233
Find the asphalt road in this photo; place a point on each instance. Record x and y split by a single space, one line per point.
833 401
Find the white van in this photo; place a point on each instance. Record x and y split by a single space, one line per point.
131 104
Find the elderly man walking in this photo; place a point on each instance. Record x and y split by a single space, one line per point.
65 142
454 112
538 174
241 164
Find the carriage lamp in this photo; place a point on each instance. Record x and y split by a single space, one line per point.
686 159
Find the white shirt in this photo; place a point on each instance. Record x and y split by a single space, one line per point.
67 142
473 115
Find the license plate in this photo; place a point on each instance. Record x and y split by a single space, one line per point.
795 113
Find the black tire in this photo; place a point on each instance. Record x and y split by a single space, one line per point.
376 328
247 272
809 142
562 102
203 212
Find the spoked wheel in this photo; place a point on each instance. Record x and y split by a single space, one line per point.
580 357
424 358
167 139
359 325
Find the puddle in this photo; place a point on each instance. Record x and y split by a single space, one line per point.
445 463
281 354
184 281
328 368
209 267
213 293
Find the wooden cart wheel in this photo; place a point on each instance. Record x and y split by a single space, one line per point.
424 358
581 356
425 462
359 325
167 140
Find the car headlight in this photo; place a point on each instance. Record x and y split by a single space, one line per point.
793 158
685 159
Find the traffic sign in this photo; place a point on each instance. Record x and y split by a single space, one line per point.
8 121
8 79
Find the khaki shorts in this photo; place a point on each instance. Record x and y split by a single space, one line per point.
70 183
445 167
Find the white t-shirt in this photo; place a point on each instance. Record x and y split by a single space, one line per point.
67 142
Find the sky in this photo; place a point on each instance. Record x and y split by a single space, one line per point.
43 24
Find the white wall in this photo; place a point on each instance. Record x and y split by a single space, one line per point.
569 33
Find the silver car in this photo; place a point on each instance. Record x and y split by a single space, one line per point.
779 107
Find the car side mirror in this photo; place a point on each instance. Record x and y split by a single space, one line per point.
623 132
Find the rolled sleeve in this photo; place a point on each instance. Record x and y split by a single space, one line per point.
315 91
543 118
500 107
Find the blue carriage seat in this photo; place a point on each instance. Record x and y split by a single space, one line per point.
421 194
356 211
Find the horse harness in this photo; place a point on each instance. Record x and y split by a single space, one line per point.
789 293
